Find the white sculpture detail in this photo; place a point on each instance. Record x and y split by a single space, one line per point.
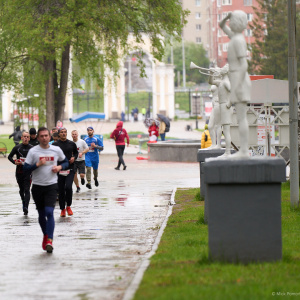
238 75
225 119
214 124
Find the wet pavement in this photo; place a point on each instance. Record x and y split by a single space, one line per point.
99 249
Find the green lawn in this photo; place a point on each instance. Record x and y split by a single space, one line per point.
95 102
182 98
180 269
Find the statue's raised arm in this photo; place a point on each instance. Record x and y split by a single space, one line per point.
224 27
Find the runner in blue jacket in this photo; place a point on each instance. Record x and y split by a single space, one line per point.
92 157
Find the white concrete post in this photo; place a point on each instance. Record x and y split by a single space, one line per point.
154 90
6 106
171 93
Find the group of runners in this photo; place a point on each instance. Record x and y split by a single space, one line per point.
51 167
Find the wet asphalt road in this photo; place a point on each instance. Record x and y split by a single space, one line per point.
98 250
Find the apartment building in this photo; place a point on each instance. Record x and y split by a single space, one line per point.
222 8
203 25
197 30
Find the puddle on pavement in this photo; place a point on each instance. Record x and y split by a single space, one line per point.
114 225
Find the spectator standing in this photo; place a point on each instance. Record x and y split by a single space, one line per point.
66 177
92 156
17 134
33 137
148 113
153 132
42 160
79 164
23 178
144 112
205 138
122 116
162 129
119 135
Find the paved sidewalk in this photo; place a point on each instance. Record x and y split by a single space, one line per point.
98 250
177 129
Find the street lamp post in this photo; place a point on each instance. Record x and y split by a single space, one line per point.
293 103
196 96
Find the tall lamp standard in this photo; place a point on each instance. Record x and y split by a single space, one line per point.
196 96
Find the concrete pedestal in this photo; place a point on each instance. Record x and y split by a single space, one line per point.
244 207
177 150
201 156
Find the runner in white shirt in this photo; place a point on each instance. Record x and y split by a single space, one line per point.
43 162
79 163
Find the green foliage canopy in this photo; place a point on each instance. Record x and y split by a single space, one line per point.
193 52
44 33
270 29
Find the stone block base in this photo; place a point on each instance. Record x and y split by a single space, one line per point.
201 156
244 209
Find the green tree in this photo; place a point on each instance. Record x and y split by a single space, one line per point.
270 29
44 33
193 52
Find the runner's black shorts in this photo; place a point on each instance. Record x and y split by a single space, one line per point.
44 195
80 166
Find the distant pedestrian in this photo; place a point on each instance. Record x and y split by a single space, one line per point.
162 129
92 156
153 132
205 138
79 164
119 135
17 134
43 161
148 113
66 177
33 137
59 124
122 116
23 178
144 112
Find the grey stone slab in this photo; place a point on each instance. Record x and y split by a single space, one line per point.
244 222
244 216
203 154
174 151
254 170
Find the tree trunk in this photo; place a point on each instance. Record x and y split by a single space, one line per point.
61 96
50 107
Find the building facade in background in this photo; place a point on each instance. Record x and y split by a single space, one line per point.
203 25
197 30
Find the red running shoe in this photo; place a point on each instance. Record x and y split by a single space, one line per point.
69 211
49 246
63 212
44 243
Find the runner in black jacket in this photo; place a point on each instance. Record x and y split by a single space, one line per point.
65 178
23 178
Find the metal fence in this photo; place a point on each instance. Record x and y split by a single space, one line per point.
268 130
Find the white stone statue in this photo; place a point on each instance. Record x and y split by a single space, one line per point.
214 124
238 75
223 84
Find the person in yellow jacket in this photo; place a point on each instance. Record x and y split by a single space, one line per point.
205 139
